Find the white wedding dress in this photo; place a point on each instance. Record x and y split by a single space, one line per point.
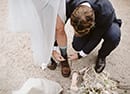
39 18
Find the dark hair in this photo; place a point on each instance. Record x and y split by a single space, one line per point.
82 19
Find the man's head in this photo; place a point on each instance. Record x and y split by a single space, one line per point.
82 19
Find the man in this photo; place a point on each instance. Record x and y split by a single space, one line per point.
92 21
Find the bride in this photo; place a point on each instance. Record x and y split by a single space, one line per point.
38 17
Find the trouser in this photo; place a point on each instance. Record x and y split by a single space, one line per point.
111 40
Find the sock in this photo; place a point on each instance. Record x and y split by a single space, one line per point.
63 51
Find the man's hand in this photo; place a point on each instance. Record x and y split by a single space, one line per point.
57 56
73 56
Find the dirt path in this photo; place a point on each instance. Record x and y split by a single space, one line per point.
16 63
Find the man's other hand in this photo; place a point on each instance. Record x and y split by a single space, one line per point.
73 56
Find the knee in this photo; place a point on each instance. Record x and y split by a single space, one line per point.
60 30
60 27
114 42
114 39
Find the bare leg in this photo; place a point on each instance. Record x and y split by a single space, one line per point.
61 39
60 33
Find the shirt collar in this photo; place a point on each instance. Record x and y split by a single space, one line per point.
86 4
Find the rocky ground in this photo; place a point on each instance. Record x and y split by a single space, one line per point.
17 65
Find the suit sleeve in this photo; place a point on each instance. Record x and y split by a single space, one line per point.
93 41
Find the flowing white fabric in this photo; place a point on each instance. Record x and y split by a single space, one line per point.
39 18
39 86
